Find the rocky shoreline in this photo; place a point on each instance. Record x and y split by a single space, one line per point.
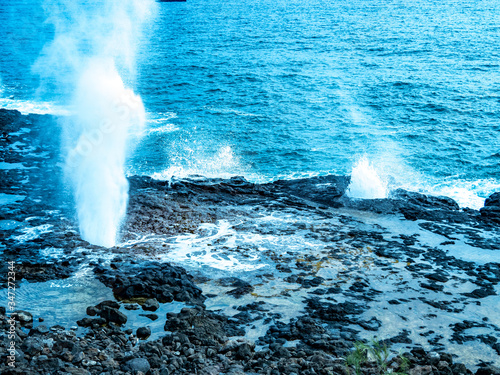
334 272
198 342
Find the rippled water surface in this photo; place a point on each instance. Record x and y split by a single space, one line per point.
270 89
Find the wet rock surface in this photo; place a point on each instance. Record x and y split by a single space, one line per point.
491 209
309 273
148 281
198 341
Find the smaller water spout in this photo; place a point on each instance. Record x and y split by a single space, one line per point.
365 182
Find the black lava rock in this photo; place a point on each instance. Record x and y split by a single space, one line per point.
111 314
152 280
143 332
493 200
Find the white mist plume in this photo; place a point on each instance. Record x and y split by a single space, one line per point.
365 182
93 48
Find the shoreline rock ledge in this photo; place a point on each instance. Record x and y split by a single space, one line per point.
491 207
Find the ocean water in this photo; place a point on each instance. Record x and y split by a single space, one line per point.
289 89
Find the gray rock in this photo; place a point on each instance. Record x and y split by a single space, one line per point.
211 370
150 316
244 351
32 346
488 370
23 317
131 306
151 305
92 310
85 322
490 211
20 355
138 364
41 329
112 314
491 207
77 371
79 356
459 368
421 370
87 362
108 303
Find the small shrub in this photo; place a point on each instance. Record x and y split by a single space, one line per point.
375 353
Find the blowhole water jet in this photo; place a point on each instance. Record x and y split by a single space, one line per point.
93 48
107 113
365 182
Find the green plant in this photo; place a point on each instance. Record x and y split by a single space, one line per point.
357 357
404 365
377 353
380 353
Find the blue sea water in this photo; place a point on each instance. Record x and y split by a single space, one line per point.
288 89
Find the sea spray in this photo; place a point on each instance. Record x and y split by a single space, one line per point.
365 182
93 48
193 162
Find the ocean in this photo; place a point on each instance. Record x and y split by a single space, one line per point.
315 104
274 90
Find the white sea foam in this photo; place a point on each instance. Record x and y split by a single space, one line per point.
32 233
224 164
161 117
165 128
466 193
158 123
196 250
36 107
